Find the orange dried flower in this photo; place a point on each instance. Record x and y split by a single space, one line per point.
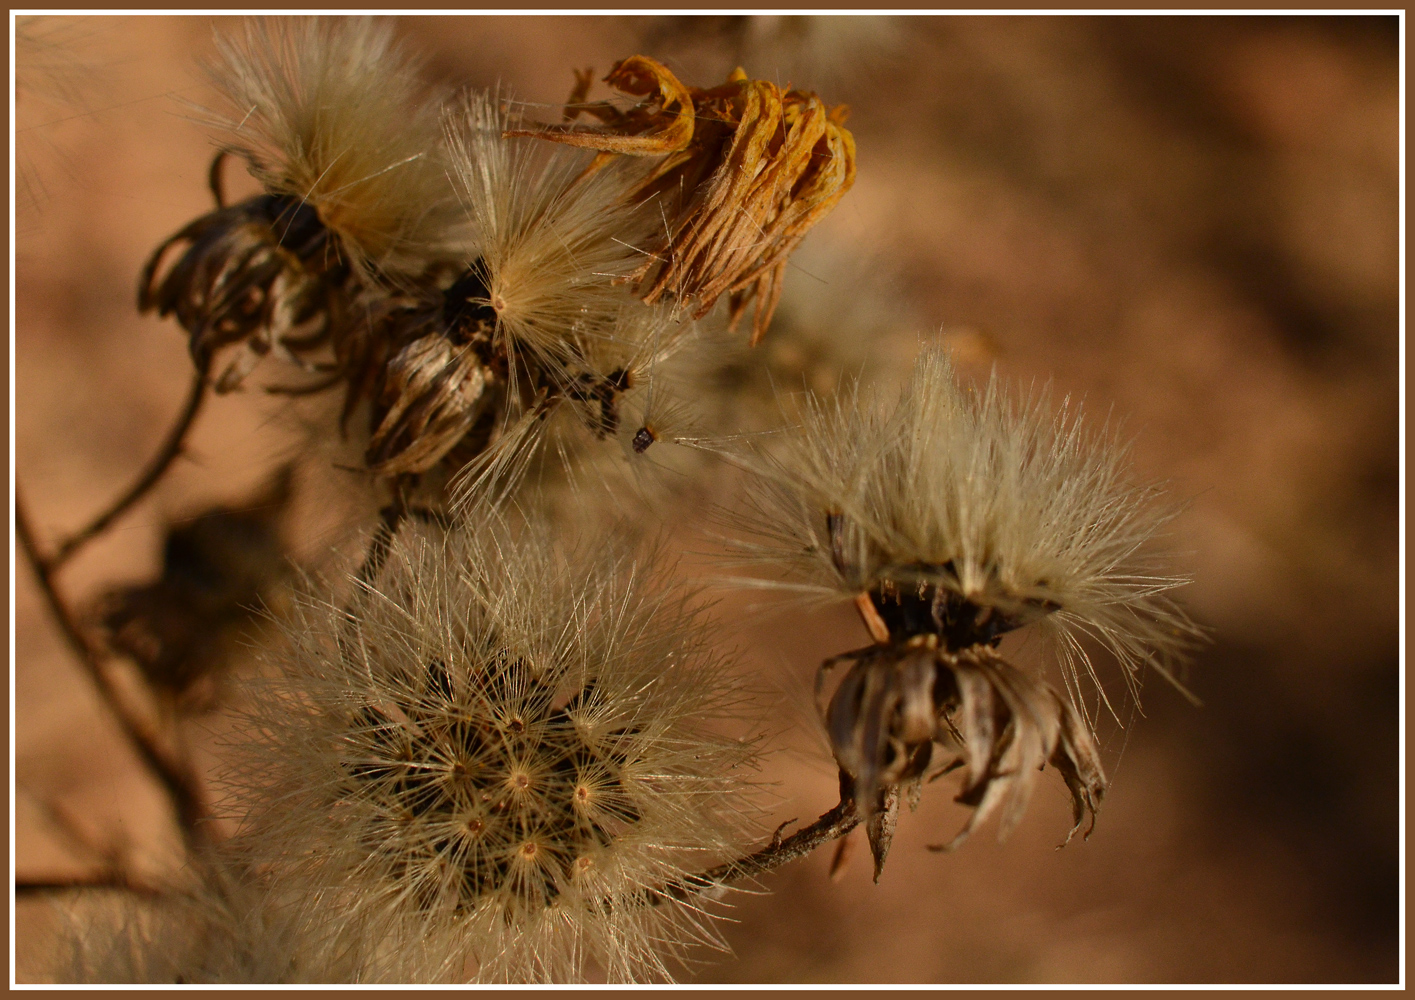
746 171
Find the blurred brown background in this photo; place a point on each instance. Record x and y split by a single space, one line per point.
1190 222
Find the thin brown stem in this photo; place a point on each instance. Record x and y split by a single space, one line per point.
830 826
176 777
166 455
391 519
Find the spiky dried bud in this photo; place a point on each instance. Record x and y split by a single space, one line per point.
745 171
327 115
534 319
951 517
493 763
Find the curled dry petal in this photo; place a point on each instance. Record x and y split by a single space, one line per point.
747 170
662 124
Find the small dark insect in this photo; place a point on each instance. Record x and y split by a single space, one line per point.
643 437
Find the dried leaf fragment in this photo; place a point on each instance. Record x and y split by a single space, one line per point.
663 123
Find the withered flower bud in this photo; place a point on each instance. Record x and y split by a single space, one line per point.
745 171
442 386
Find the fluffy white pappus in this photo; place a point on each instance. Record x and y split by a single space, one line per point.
493 765
1000 512
555 243
331 111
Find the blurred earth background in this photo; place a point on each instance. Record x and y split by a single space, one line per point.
1191 223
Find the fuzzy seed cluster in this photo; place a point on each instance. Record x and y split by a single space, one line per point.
505 756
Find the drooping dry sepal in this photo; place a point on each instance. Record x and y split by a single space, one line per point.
327 115
489 763
899 704
745 172
1009 726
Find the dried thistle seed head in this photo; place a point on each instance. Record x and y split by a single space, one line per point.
745 171
950 517
326 114
493 757
549 245
550 445
535 306
960 513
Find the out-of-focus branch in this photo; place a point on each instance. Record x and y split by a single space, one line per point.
102 880
175 774
166 455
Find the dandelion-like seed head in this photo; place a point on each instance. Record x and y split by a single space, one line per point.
552 244
952 516
506 759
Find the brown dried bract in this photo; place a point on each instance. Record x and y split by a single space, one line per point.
746 171
900 700
443 383
263 273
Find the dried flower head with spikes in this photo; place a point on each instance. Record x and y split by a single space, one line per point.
326 114
951 517
534 320
744 171
490 757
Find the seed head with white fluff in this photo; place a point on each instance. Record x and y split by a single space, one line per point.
952 515
494 764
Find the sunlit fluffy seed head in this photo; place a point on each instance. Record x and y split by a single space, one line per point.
975 513
494 759
331 111
554 245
